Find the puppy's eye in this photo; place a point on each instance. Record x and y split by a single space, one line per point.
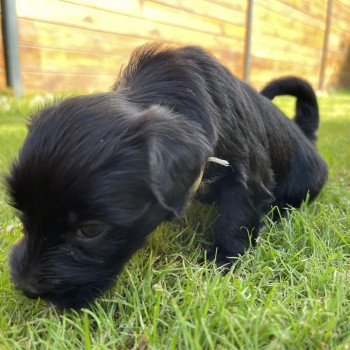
91 230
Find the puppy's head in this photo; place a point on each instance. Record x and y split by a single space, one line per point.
95 176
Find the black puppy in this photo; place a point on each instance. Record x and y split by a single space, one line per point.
98 173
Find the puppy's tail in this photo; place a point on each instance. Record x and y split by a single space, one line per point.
307 115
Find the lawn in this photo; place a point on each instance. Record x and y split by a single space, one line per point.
291 291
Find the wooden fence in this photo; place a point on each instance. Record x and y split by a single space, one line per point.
81 44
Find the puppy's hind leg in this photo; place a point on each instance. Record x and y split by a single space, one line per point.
307 177
238 224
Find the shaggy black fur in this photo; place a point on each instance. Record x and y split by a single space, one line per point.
98 173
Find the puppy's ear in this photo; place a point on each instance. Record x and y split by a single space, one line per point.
177 152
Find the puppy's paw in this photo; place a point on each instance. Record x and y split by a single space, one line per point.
223 262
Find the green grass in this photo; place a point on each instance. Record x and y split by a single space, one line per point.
291 292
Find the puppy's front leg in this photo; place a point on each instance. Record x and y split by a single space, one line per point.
238 223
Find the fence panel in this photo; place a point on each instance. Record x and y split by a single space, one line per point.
81 44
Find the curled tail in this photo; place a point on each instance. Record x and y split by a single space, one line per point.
307 115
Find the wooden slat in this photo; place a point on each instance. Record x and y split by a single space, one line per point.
84 40
308 18
45 45
314 8
2 59
234 5
270 23
341 16
135 8
341 13
42 60
158 12
296 34
2 78
66 82
36 59
286 68
85 17
264 46
61 37
128 7
179 18
209 9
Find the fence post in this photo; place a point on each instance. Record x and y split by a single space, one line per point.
321 83
248 40
11 50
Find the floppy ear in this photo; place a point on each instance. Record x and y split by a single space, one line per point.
177 152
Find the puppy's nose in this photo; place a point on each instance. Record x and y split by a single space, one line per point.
29 291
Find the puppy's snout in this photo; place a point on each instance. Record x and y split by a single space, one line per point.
29 291
28 287
17 260
21 271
